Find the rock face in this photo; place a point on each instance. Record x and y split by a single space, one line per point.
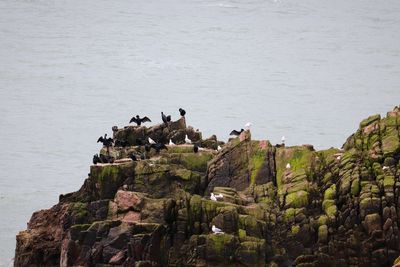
281 206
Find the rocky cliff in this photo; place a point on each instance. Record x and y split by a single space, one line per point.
335 207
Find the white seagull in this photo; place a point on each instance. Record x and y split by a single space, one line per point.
171 143
151 141
216 230
338 157
215 197
288 166
248 125
212 197
283 139
219 148
187 140
385 168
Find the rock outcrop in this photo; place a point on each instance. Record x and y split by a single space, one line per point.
281 206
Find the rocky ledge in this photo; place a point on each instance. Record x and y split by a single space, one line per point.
334 207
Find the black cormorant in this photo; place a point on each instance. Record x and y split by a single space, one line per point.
139 120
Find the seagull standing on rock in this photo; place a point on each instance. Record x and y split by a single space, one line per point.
248 125
151 141
212 197
215 197
216 230
171 143
288 166
219 148
187 140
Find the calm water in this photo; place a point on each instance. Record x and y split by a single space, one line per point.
69 70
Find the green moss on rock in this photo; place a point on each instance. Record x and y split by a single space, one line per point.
355 187
323 234
183 174
242 233
297 199
289 214
218 242
109 177
196 161
256 162
388 181
295 229
370 120
331 211
330 193
79 211
323 219
299 157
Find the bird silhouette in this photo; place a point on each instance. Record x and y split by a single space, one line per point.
139 120
182 112
158 146
237 133
165 118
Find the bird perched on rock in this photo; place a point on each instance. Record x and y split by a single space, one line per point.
248 125
195 148
216 230
106 159
288 166
182 112
96 159
187 140
219 148
237 133
171 143
214 197
338 157
133 157
139 120
165 118
121 143
107 142
157 147
385 168
151 141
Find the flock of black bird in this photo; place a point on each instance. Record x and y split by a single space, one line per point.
109 142
147 144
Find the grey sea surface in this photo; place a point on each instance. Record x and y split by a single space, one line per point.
69 70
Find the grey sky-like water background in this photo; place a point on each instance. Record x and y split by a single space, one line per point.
70 70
